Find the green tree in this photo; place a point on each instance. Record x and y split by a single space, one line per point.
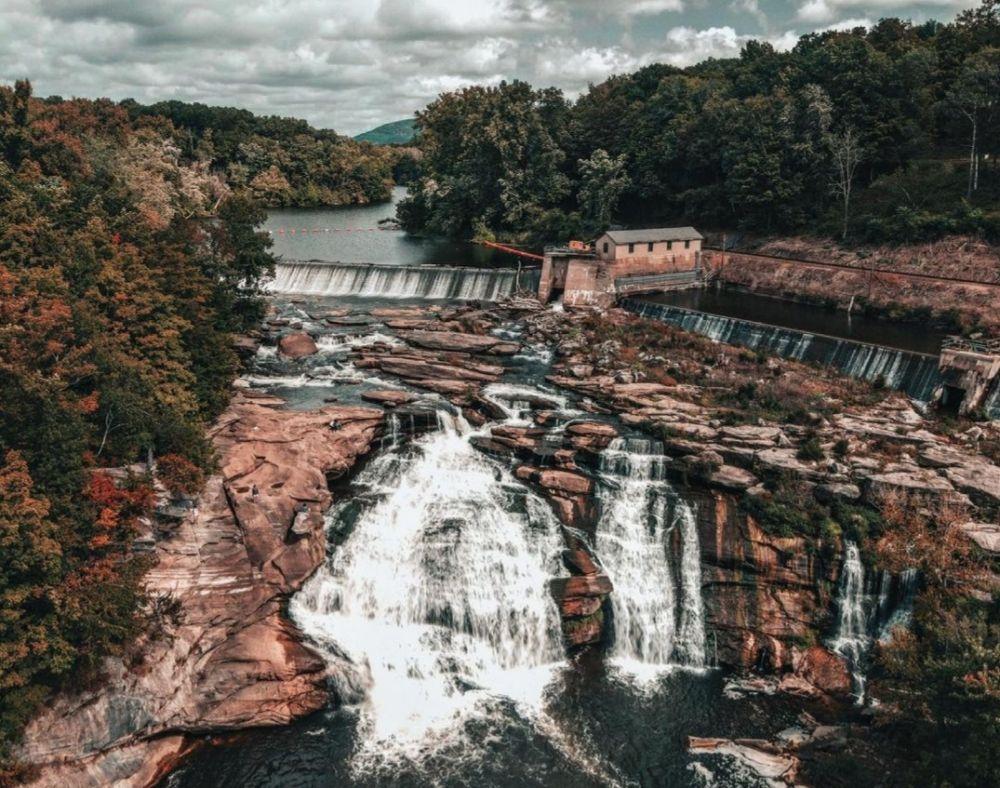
602 181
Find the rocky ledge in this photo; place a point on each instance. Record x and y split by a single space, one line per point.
226 657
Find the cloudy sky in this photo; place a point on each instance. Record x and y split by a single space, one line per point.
353 64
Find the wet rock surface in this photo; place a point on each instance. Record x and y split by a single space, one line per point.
257 534
297 345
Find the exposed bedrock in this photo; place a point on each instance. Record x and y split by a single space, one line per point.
228 659
766 597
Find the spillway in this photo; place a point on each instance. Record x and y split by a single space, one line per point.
914 373
370 280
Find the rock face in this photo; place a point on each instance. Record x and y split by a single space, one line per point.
763 594
297 345
230 660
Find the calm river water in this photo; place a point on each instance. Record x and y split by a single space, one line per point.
353 235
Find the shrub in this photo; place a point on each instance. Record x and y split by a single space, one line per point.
811 450
179 475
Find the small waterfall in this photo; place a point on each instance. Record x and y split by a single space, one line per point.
864 617
658 620
898 611
436 600
395 281
916 374
690 644
992 404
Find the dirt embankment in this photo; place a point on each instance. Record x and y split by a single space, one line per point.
874 277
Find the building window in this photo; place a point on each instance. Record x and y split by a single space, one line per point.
605 247
670 246
649 247
631 248
687 244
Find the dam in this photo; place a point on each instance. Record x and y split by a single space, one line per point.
912 372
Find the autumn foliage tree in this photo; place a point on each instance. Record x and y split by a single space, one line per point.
942 676
125 267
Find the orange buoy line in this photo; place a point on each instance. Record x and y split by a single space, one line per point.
512 250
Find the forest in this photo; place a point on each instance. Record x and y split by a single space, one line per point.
282 162
888 134
125 268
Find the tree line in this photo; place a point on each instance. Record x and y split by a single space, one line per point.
282 162
882 134
126 264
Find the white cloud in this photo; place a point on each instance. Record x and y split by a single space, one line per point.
818 11
646 7
751 8
573 68
848 24
686 46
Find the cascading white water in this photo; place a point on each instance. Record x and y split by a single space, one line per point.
915 373
899 615
657 621
863 617
851 639
690 641
393 281
438 599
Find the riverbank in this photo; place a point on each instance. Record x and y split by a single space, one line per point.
960 307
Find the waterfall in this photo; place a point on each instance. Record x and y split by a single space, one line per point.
690 643
898 612
917 374
851 640
395 281
992 404
657 620
436 600
863 617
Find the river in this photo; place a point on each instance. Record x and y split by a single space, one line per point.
354 235
433 610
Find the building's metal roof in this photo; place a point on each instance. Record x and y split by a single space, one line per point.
654 235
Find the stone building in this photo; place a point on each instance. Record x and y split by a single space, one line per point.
619 263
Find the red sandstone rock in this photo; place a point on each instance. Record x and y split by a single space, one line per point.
454 340
580 561
297 345
592 429
388 397
581 585
558 481
826 671
579 606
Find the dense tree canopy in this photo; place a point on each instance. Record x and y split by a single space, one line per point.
125 266
755 142
282 161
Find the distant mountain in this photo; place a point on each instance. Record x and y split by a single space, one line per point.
399 132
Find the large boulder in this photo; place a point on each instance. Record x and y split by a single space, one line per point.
825 671
297 345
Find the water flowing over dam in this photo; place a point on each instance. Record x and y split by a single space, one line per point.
657 603
914 373
369 280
